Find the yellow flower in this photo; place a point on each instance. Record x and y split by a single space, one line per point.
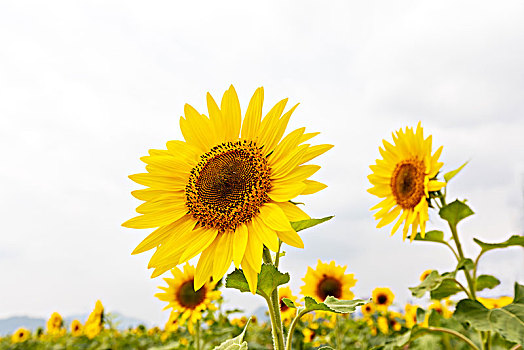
54 324
309 334
239 322
97 315
382 324
92 329
225 192
76 328
441 308
411 315
153 331
368 309
182 297
404 178
286 312
495 303
383 298
172 323
328 280
424 275
20 335
393 321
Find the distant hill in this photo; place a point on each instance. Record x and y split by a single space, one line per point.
11 324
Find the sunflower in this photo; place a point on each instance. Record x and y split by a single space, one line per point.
182 297
441 308
495 303
424 275
173 322
225 192
328 280
383 324
404 178
54 324
76 328
286 312
368 309
410 316
393 321
383 298
20 335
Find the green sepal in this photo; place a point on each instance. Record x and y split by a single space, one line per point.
431 236
514 240
455 211
269 279
303 224
289 303
332 304
451 174
236 343
508 321
486 281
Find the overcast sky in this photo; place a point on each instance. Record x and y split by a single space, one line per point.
86 88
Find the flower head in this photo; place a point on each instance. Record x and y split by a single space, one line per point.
286 312
495 303
368 309
54 324
76 328
404 178
184 300
20 335
225 192
383 298
424 275
328 280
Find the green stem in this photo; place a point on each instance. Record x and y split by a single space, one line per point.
277 257
463 288
273 304
516 347
292 328
476 265
487 343
456 334
197 335
471 283
453 250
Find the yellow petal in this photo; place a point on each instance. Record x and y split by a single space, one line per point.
291 237
284 166
165 183
286 190
315 151
293 212
313 186
274 217
223 255
254 247
286 146
239 248
435 185
230 108
251 125
267 235
251 276
269 124
198 240
155 219
184 151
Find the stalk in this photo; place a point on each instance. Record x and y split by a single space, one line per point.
273 303
197 335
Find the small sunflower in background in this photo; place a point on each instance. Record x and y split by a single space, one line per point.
287 313
368 309
394 321
424 275
172 323
225 192
76 328
441 306
20 335
410 315
404 177
54 324
328 280
383 324
184 299
495 303
383 298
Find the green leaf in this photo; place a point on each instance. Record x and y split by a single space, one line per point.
465 264
507 321
421 315
455 211
434 319
451 174
514 240
332 304
432 282
447 288
431 236
486 281
236 343
303 224
289 303
269 278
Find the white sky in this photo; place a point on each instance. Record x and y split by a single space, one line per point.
86 88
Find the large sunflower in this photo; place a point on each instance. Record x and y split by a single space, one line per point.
225 192
184 300
328 280
404 178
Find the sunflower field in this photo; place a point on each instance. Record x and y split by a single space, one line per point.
227 195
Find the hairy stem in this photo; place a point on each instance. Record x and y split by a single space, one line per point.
273 303
456 334
292 328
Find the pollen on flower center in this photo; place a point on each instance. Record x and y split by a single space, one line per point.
407 183
187 297
228 186
329 286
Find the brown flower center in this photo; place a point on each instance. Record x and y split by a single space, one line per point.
382 299
187 297
407 183
283 306
228 186
329 286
